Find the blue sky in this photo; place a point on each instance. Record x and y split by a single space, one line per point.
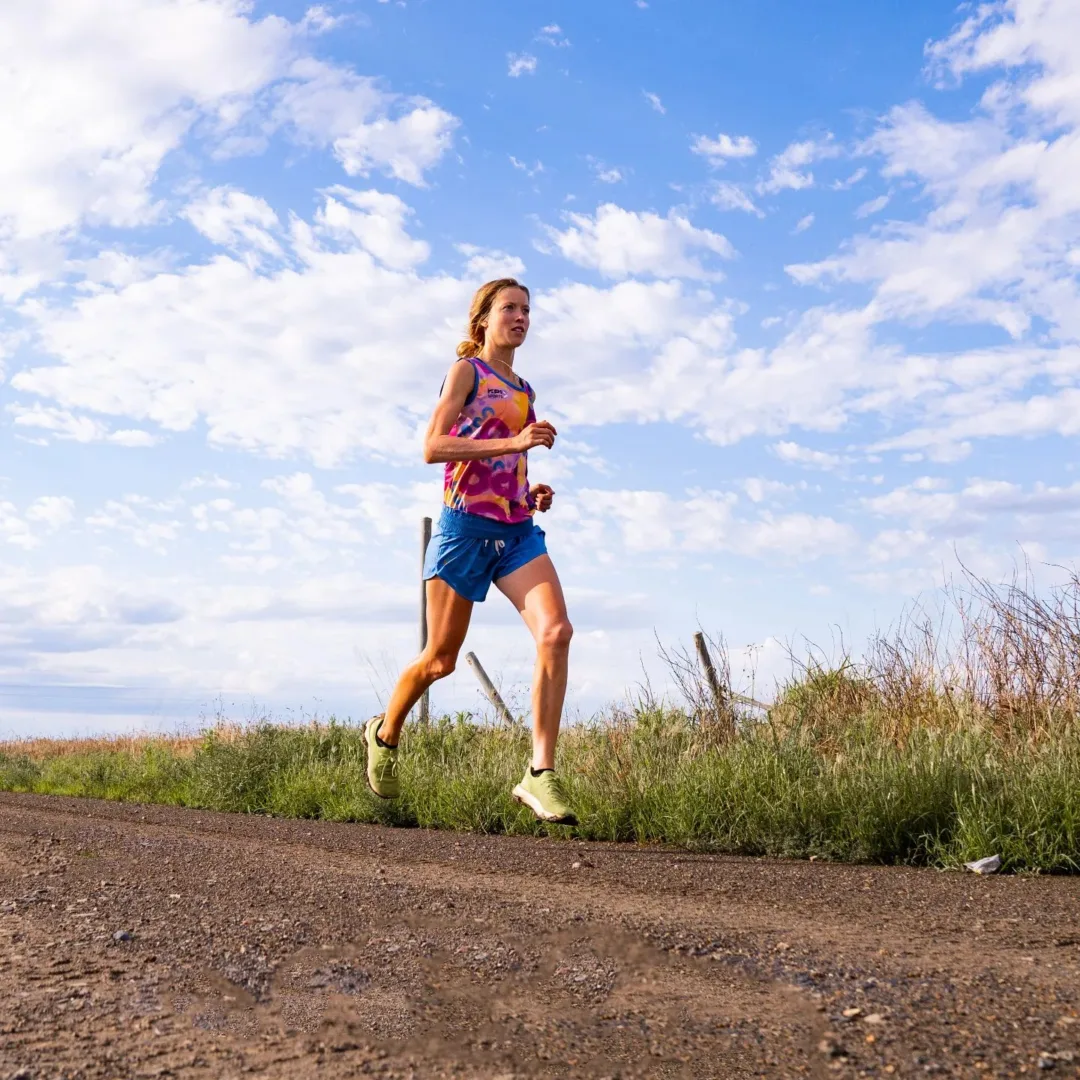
806 316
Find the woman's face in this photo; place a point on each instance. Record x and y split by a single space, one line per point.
508 321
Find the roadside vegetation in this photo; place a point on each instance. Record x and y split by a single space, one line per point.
955 736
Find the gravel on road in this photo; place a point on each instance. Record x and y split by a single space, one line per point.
147 941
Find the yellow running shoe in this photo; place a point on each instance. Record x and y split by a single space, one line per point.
545 797
382 763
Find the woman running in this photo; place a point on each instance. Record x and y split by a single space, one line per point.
483 428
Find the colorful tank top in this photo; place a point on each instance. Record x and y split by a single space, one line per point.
497 487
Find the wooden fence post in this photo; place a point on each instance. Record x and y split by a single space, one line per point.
488 687
721 705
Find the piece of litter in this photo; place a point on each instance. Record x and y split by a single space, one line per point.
990 865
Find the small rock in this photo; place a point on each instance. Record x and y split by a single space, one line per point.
1048 1059
122 935
831 1048
875 1018
575 866
850 1014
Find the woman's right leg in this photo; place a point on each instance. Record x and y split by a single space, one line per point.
448 615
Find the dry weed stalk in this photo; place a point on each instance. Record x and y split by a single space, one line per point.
714 714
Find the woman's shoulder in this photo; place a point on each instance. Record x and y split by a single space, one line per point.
463 375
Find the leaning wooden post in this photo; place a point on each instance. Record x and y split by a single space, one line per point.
720 703
425 539
489 689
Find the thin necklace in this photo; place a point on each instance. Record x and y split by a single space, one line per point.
507 366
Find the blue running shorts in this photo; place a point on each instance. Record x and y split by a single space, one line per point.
469 552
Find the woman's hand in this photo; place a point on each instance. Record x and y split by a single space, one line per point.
541 496
539 434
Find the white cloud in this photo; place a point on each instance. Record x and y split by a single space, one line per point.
47 513
729 196
318 19
553 35
933 511
996 245
606 174
404 148
787 170
872 206
620 243
794 454
804 223
483 264
278 363
374 221
662 352
66 425
213 481
519 64
97 97
365 126
52 511
723 147
91 111
13 528
704 521
146 523
1021 33
654 101
759 489
849 182
235 220
535 170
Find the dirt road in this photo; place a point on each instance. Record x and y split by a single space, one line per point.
152 942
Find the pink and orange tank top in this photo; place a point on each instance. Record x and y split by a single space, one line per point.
496 488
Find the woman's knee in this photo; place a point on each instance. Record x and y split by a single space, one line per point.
440 664
555 635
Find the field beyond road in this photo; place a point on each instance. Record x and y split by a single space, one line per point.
147 941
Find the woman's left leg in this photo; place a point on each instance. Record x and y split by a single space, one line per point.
535 591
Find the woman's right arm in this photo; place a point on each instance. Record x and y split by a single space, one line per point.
439 445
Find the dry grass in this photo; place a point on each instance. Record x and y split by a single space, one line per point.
45 749
1000 660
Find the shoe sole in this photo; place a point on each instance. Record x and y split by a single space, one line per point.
371 786
522 796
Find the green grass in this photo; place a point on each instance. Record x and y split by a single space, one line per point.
937 797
